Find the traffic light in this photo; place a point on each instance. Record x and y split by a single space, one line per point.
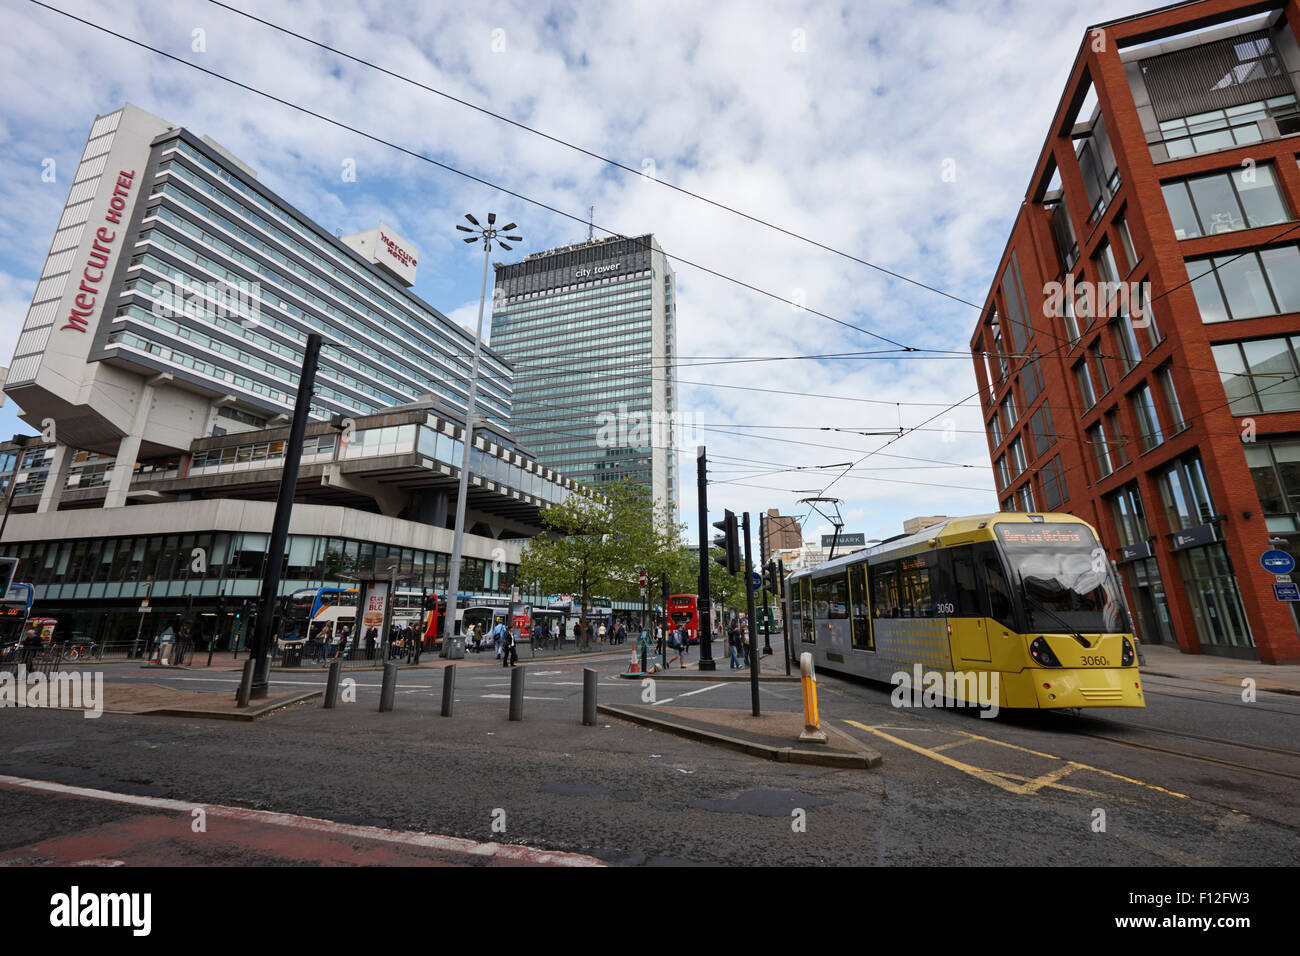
728 542
770 579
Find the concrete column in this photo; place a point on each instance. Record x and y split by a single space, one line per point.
129 448
52 494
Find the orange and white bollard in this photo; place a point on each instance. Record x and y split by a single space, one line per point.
811 722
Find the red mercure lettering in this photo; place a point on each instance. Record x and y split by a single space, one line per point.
97 260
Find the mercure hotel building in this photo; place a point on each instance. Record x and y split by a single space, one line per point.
159 360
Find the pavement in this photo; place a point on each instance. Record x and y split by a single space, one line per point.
1161 661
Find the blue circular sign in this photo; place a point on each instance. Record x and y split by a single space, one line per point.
1277 562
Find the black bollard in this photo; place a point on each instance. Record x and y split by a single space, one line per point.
332 684
389 689
588 697
245 684
448 689
517 694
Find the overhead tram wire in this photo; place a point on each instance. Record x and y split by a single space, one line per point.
640 174
470 176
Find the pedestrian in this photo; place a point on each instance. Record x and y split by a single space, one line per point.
620 636
577 635
536 636
733 638
499 634
509 654
31 646
600 635
675 641
372 636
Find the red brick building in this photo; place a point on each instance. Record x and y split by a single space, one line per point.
1139 352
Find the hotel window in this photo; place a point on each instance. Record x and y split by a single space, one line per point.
1186 494
1130 517
1004 476
1118 452
1245 286
1144 404
1054 491
1017 454
1106 268
1097 438
1071 322
1085 385
1259 376
1275 468
1126 240
1225 202
995 429
1041 431
1171 400
1098 365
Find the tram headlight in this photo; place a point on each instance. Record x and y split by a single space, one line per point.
1042 653
1127 654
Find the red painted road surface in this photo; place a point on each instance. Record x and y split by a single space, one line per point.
163 833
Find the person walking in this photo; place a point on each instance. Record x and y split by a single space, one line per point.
675 641
509 653
499 633
371 636
733 638
600 635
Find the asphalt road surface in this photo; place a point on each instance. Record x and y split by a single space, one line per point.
1199 777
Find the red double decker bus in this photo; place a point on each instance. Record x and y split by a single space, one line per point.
682 611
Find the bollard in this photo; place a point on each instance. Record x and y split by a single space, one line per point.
811 722
517 694
332 684
448 689
588 697
389 689
245 683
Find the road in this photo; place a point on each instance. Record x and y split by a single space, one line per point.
1197 778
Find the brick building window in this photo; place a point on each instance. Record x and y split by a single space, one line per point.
1275 467
1260 376
1245 286
1225 202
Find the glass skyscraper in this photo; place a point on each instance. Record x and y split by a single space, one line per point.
591 332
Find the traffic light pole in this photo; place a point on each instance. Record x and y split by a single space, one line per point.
703 606
753 630
762 560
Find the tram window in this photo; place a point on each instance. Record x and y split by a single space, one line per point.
886 591
966 596
808 633
858 599
999 595
831 599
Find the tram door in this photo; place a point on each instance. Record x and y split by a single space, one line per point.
970 638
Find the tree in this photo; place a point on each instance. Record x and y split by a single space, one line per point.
596 544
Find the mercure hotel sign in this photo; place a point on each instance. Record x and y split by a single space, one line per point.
92 276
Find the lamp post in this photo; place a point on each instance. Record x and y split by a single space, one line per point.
488 234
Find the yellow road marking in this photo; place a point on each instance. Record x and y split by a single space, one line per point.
948 746
1002 780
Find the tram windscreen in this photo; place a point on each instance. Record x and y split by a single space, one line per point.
1064 577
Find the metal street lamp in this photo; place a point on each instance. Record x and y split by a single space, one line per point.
488 235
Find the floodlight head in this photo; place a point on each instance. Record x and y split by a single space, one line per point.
471 219
472 239
463 228
492 217
502 244
507 227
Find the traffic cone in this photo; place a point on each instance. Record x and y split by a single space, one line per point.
154 660
635 667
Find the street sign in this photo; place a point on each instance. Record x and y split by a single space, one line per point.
641 578
755 581
145 608
1282 578
1287 592
1279 562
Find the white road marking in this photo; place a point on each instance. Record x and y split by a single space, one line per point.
655 703
410 838
507 697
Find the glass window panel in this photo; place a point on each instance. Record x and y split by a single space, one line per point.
1244 286
1279 390
1218 140
1241 397
1259 193
1282 264
1267 485
1216 204
1208 298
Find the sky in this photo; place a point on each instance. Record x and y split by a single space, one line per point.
902 133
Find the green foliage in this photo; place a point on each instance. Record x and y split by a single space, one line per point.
596 545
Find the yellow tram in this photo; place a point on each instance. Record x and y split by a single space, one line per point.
1026 602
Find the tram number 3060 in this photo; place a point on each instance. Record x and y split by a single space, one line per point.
1099 661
